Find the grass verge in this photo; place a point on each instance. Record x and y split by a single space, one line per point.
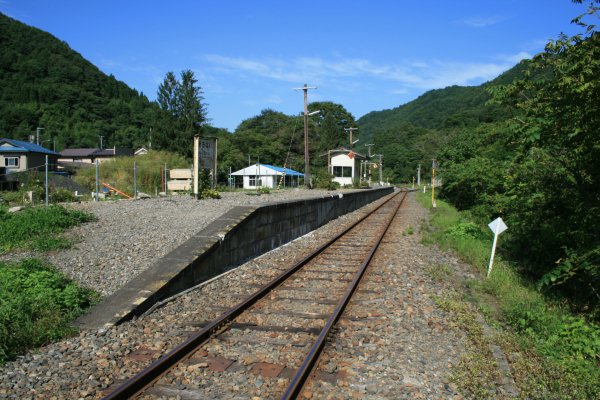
37 304
38 228
553 354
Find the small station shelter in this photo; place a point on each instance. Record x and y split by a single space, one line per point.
268 176
344 165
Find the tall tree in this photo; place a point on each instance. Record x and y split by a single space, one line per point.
167 94
182 112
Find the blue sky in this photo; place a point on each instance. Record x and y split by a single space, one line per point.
249 55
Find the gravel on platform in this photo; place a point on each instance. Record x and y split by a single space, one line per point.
129 236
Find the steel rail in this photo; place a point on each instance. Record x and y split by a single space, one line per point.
154 371
302 374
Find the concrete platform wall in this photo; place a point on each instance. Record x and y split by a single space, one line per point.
239 235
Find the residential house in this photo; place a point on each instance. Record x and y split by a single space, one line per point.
90 155
344 165
18 155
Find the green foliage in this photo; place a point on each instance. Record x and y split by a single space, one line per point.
564 348
323 180
210 194
45 83
539 167
465 230
119 171
38 227
182 112
263 190
37 303
206 192
63 196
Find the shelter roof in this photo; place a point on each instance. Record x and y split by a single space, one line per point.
266 169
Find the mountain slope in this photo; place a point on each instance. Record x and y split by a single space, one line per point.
448 108
415 132
44 83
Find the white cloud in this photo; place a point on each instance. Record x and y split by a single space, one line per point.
515 58
481 22
419 75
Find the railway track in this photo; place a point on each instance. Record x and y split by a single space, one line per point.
290 319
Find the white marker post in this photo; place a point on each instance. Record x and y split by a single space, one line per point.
497 226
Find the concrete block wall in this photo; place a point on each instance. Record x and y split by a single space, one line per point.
239 235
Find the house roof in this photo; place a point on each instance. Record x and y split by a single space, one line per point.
19 146
95 152
266 169
343 150
87 152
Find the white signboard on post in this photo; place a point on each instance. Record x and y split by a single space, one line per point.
497 226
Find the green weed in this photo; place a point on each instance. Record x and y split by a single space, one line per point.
409 231
38 228
554 354
438 272
37 303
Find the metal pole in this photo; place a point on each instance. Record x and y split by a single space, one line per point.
306 156
134 181
215 177
166 182
196 162
419 176
46 180
97 184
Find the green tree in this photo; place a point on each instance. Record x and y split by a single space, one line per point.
554 182
329 125
182 112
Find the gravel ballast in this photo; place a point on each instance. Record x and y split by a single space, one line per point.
393 343
129 236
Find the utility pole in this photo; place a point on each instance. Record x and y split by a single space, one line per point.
307 181
101 143
369 148
37 135
351 130
419 176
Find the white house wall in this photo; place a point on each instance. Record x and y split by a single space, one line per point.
342 160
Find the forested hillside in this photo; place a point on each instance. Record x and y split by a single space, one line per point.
539 168
414 132
44 83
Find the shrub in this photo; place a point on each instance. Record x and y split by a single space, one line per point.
264 190
39 227
63 196
210 194
37 303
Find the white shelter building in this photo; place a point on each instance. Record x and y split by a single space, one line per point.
264 175
344 165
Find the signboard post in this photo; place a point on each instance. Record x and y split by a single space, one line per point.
208 157
497 226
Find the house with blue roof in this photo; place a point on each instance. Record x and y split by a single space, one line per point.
18 155
268 176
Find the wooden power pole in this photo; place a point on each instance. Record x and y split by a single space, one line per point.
307 180
351 130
